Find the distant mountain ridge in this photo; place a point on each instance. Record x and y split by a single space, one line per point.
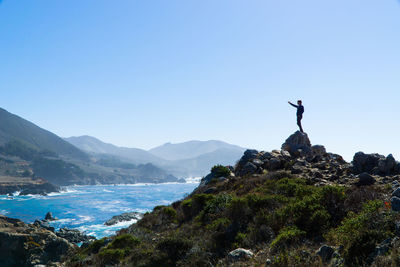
13 127
93 145
187 159
191 149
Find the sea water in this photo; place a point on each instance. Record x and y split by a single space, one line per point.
86 208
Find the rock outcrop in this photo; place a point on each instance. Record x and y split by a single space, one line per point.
298 144
27 245
128 216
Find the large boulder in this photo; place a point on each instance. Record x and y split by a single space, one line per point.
298 144
365 162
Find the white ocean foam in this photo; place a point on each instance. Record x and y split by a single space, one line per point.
3 212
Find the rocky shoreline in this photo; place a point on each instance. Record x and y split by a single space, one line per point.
26 186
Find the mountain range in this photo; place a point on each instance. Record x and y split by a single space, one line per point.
192 158
27 150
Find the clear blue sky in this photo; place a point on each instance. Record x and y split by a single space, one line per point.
142 73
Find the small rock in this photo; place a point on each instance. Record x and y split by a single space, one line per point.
318 150
365 179
240 253
325 252
395 202
268 262
257 162
396 193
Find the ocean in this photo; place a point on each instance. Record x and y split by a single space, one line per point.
86 208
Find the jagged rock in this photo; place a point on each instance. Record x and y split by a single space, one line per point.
318 150
325 252
365 162
28 245
395 203
74 236
239 254
49 217
257 162
249 168
128 216
275 164
365 179
396 193
44 224
381 249
297 144
387 165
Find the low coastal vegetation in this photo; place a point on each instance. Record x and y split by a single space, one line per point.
282 217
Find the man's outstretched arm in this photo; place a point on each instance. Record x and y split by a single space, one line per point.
293 104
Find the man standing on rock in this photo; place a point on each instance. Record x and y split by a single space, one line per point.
299 113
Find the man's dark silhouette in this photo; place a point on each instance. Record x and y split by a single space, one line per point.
299 113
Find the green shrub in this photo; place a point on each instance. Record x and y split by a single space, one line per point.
360 233
238 210
124 241
169 212
218 224
95 246
287 237
111 256
193 206
220 171
174 247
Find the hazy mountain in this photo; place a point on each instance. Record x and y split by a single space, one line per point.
94 145
201 165
192 149
14 128
192 158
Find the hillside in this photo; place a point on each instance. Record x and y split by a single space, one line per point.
188 159
30 157
299 206
14 128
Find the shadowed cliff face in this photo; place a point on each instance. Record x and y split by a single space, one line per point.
25 245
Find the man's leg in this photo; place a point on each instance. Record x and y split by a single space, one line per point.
299 123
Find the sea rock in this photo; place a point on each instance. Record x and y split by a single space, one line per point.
240 254
298 144
28 245
365 179
181 180
325 253
128 216
395 203
49 217
74 236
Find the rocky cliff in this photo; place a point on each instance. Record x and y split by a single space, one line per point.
298 206
29 245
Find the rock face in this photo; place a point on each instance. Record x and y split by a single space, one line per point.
365 179
26 245
74 236
240 254
325 252
375 164
27 187
129 216
298 144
